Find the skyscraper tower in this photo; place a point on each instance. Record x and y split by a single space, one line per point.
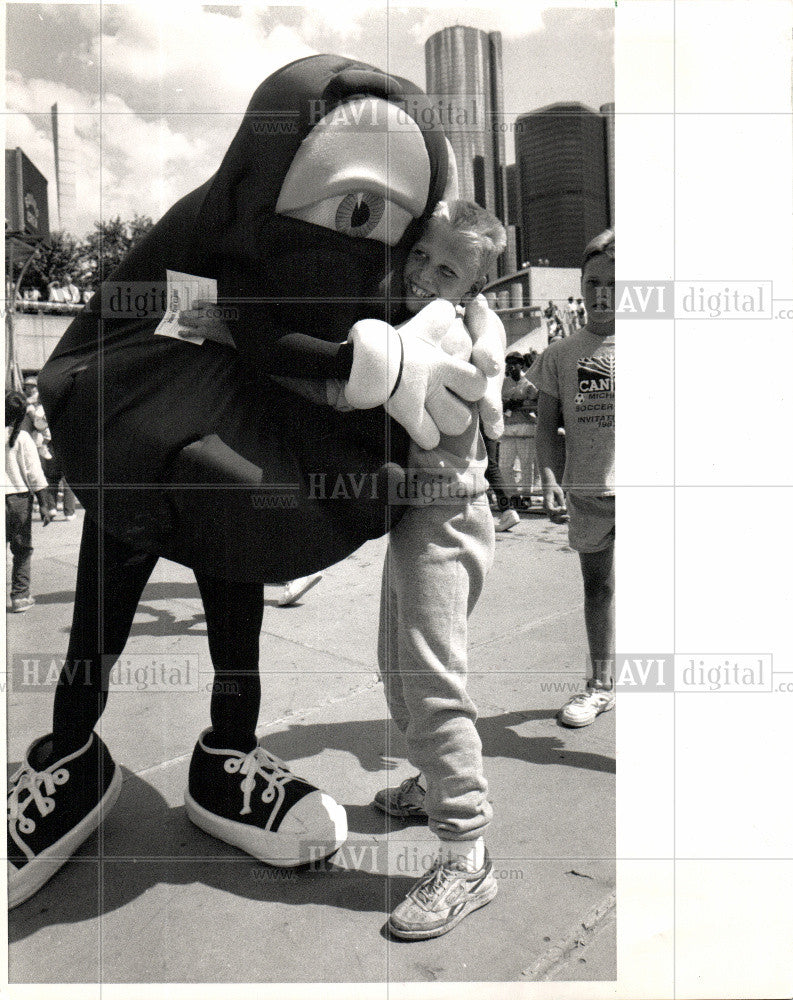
65 146
607 110
561 157
464 72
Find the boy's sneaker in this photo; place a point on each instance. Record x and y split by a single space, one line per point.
295 589
508 520
254 802
53 806
441 898
21 604
583 709
405 802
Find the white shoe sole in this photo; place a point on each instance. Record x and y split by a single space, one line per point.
289 597
283 849
571 724
26 882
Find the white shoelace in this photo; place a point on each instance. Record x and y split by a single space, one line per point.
26 779
260 763
434 881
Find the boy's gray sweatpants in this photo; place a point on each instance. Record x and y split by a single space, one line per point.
437 560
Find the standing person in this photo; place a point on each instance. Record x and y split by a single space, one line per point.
438 556
552 318
37 427
24 477
55 293
570 313
518 395
576 381
71 293
508 516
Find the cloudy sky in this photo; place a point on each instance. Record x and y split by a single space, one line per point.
157 89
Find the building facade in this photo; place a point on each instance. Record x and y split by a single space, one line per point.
562 169
465 79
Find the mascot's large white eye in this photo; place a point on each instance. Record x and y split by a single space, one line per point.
359 214
363 214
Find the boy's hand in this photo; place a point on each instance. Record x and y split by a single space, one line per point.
553 500
204 320
487 333
489 338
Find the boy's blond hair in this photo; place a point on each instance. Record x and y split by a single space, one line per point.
481 227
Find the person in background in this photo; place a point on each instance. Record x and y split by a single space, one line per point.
55 292
36 420
570 316
71 293
36 425
519 397
581 313
576 382
24 477
508 516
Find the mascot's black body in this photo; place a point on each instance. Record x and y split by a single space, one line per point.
123 403
196 454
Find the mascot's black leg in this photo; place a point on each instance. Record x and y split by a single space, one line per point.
234 614
68 781
237 791
110 580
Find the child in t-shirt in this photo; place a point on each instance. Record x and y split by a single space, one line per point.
24 478
575 378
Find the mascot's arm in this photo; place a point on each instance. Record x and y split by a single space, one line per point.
415 380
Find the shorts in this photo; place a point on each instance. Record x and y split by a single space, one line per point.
591 522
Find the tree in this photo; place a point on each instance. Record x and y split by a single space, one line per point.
105 248
56 258
87 261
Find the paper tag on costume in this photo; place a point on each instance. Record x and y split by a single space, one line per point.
182 291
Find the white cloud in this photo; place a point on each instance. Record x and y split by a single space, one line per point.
175 83
346 20
126 163
166 59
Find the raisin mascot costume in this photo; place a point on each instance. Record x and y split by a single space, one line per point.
200 454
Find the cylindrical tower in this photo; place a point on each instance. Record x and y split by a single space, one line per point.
465 82
561 163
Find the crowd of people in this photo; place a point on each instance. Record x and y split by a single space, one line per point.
57 295
565 322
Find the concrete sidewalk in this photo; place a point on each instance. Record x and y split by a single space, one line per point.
150 898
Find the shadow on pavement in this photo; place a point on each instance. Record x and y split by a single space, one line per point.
367 740
89 886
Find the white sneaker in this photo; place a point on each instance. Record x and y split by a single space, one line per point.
296 588
508 520
583 709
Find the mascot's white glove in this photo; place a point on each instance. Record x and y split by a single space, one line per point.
415 379
490 344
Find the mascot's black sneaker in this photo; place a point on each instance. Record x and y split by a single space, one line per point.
254 802
53 806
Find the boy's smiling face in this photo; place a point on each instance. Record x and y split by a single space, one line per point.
443 264
597 285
